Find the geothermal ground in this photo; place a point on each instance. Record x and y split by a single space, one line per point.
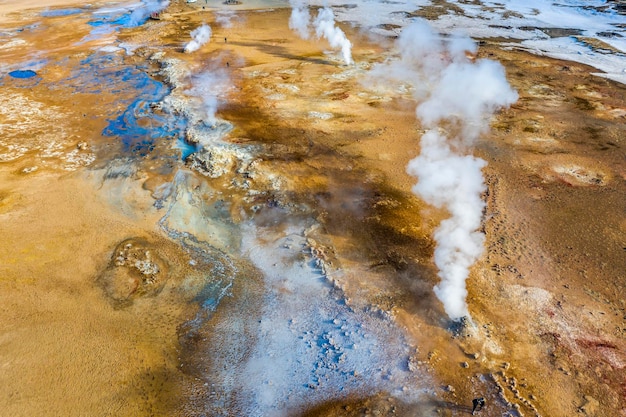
232 231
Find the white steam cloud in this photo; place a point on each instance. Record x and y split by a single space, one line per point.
200 36
208 87
324 25
300 18
225 18
456 97
147 7
452 181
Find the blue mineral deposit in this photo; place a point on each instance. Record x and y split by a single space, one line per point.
23 74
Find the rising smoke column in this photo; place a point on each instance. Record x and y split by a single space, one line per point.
300 18
456 98
324 25
200 36
147 7
208 87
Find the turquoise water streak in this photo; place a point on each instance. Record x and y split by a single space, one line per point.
138 127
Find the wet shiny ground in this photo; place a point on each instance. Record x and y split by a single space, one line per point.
290 272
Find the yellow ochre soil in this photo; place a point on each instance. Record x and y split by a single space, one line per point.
547 297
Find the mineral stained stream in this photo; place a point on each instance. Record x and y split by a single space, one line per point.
206 210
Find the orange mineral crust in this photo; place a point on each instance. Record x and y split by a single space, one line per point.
216 209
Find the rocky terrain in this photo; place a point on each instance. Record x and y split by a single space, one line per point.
261 253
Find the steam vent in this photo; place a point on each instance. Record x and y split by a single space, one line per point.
277 208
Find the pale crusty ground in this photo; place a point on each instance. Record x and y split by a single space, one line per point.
547 297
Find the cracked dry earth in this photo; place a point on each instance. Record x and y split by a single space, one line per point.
547 298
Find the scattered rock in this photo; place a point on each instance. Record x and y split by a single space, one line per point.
221 159
320 115
590 407
213 163
28 170
461 327
579 175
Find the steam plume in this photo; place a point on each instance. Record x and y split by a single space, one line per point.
452 181
208 87
200 35
456 98
225 18
325 27
300 18
300 21
147 7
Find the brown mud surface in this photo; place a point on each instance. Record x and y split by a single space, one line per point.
87 330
